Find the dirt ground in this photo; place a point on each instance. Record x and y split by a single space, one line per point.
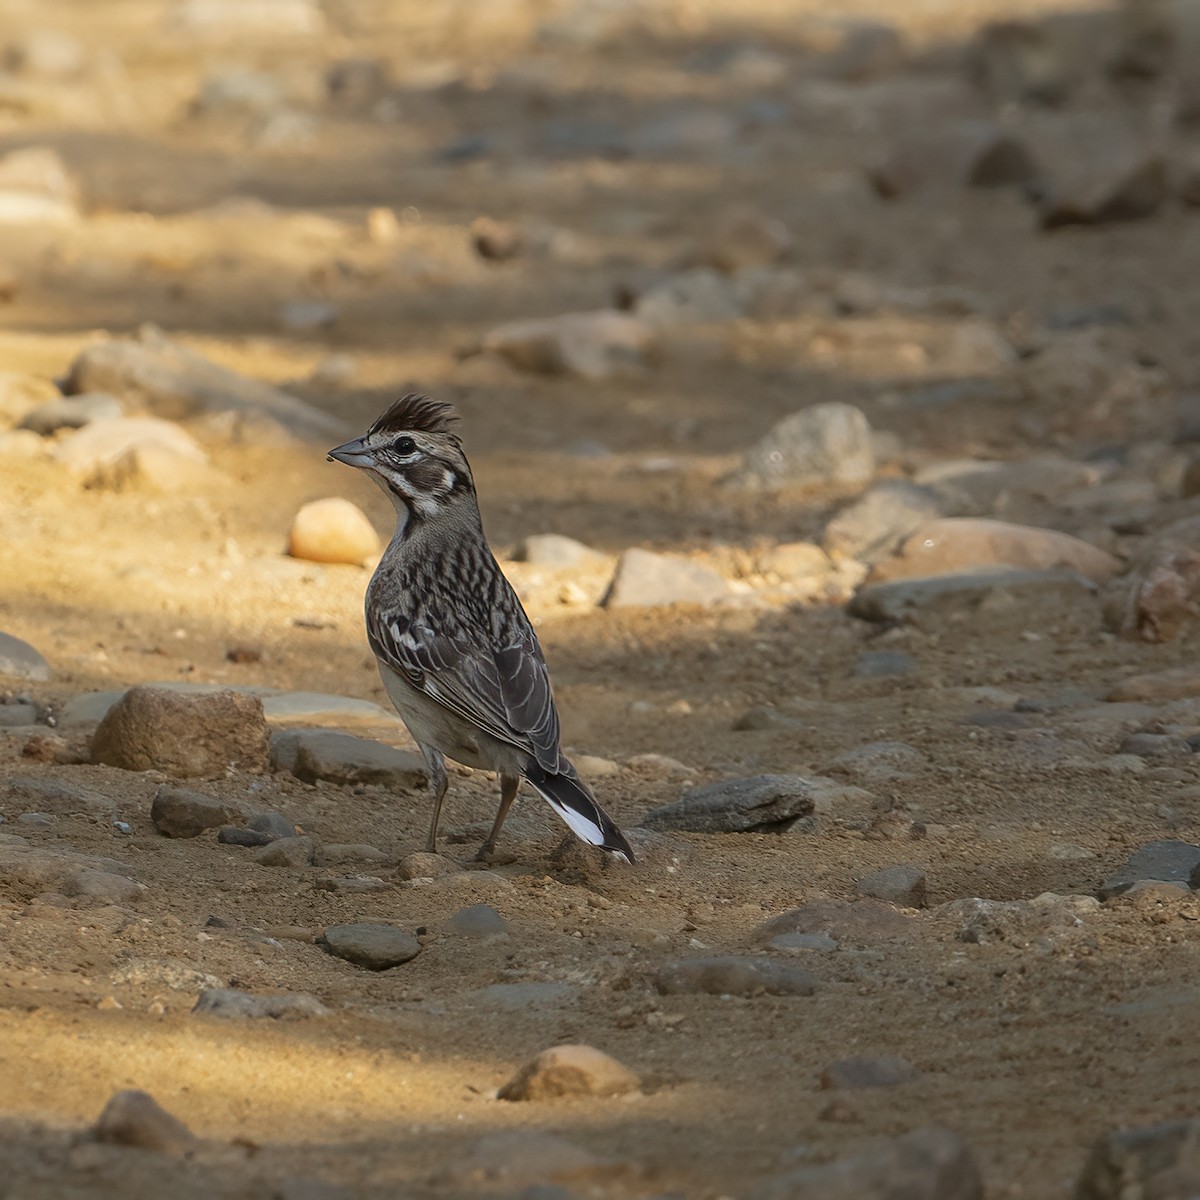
1030 1045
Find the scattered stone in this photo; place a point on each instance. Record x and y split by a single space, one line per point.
231 835
695 297
154 373
880 762
1160 1161
1019 922
863 1071
555 552
332 531
590 345
293 852
234 20
956 544
571 1070
647 580
375 947
858 921
228 1002
930 1162
135 1118
802 943
274 824
337 854
932 597
884 514
188 736
70 412
1168 861
307 316
795 560
868 50
322 754
1175 683
826 446
972 153
422 865
880 664
478 921
1116 187
100 446
757 804
734 975
903 885
19 660
182 813
743 239
525 1159
37 187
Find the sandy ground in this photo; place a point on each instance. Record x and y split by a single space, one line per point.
1030 1046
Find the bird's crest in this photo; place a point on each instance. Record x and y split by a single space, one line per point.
416 414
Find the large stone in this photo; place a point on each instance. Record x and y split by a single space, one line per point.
929 1163
182 813
974 153
756 804
1157 1162
734 975
1175 683
955 544
694 297
590 345
135 1118
859 922
644 579
570 1070
19 660
884 514
324 754
70 412
903 885
188 736
1168 861
375 947
1114 187
826 446
555 552
37 187
228 1002
101 445
332 531
168 380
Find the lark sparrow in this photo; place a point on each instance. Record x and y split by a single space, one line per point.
456 651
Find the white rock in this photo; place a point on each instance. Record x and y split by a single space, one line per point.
332 531
644 579
828 445
102 444
590 345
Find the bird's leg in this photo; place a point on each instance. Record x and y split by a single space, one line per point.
508 793
435 764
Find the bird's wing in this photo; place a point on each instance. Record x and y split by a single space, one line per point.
505 692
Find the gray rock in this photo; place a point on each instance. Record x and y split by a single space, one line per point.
758 804
101 446
569 1070
135 1118
102 885
478 921
876 664
646 580
1160 1161
521 997
967 154
864 1071
930 1163
273 824
589 345
71 412
1161 746
37 820
58 796
826 446
293 852
683 133
182 813
375 947
880 762
1168 861
231 835
305 316
903 885
315 708
422 865
520 1159
198 735
857 922
555 552
228 1002
936 595
321 754
882 517
170 381
1117 187
802 943
1047 919
693 297
13 716
340 853
734 975
19 660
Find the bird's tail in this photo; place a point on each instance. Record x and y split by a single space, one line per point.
572 799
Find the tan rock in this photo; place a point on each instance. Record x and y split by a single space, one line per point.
135 1118
571 1070
100 446
1178 683
332 531
796 560
952 544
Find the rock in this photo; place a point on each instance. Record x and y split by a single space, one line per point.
522 997
228 1002
802 943
757 804
555 552
496 241
764 717
882 664
332 531
571 1070
102 445
868 51
323 754
293 852
857 922
880 762
238 94
48 53
866 1072
135 1118
972 153
743 239
1114 187
375 947
1156 745
188 736
305 316
695 297
647 580
1045 919
526 1159
181 813
1160 1161
979 485
957 544
589 345
734 975
903 885
19 660
337 854
1169 861
1017 60
163 378
36 187
795 560
70 412
274 824
232 836
422 865
1160 596
315 708
826 446
683 133
884 514
233 20
932 597
1175 683
478 921
13 716
150 467
102 885
932 1163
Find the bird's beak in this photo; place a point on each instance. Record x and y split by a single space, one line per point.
353 454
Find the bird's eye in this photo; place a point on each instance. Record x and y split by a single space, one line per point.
405 445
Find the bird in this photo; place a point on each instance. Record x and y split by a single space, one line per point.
457 653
